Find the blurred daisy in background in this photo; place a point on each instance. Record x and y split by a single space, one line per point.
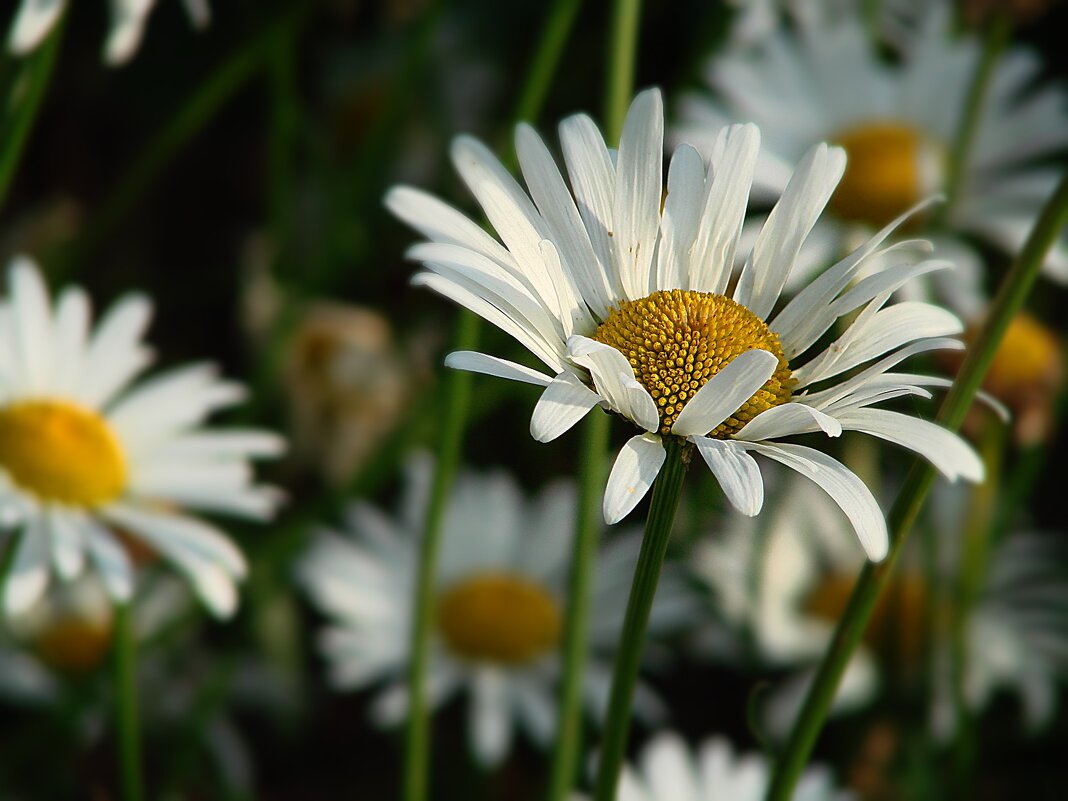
86 458
35 19
623 295
779 588
499 610
824 79
669 770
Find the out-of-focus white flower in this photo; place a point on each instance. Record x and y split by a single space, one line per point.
35 19
823 79
669 770
499 606
623 294
85 456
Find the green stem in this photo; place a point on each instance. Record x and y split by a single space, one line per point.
126 718
666 493
621 64
27 93
457 400
994 41
546 58
576 630
1010 298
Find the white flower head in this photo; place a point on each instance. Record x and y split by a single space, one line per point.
632 301
670 770
499 599
35 19
824 79
85 455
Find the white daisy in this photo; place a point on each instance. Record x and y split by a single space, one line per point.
823 79
624 296
35 19
83 455
669 770
499 604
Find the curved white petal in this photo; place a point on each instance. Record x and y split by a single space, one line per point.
32 23
614 379
475 362
491 716
789 418
28 575
110 560
736 471
563 403
842 485
725 392
633 473
682 213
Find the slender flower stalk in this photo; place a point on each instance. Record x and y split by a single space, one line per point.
593 472
873 577
996 37
621 61
28 90
666 492
126 717
455 412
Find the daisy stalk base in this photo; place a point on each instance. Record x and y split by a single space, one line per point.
127 728
658 526
874 577
576 628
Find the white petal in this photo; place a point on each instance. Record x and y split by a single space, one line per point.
842 485
633 473
71 337
28 575
475 362
563 403
732 161
68 543
682 212
787 419
614 379
736 471
669 769
115 353
787 227
725 392
35 18
110 560
950 454
491 716
639 188
31 325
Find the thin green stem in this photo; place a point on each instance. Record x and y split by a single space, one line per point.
622 57
592 474
27 93
996 37
457 400
546 58
126 718
873 578
666 494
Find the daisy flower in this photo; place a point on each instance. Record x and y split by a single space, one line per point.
35 19
630 298
824 80
499 609
669 770
85 456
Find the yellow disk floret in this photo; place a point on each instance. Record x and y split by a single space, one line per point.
678 339
61 453
498 617
888 171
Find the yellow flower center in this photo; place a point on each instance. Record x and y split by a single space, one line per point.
1027 362
890 168
676 340
74 644
61 453
498 617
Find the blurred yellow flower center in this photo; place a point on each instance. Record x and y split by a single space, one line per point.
676 340
74 644
896 625
1028 360
498 617
60 452
889 170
